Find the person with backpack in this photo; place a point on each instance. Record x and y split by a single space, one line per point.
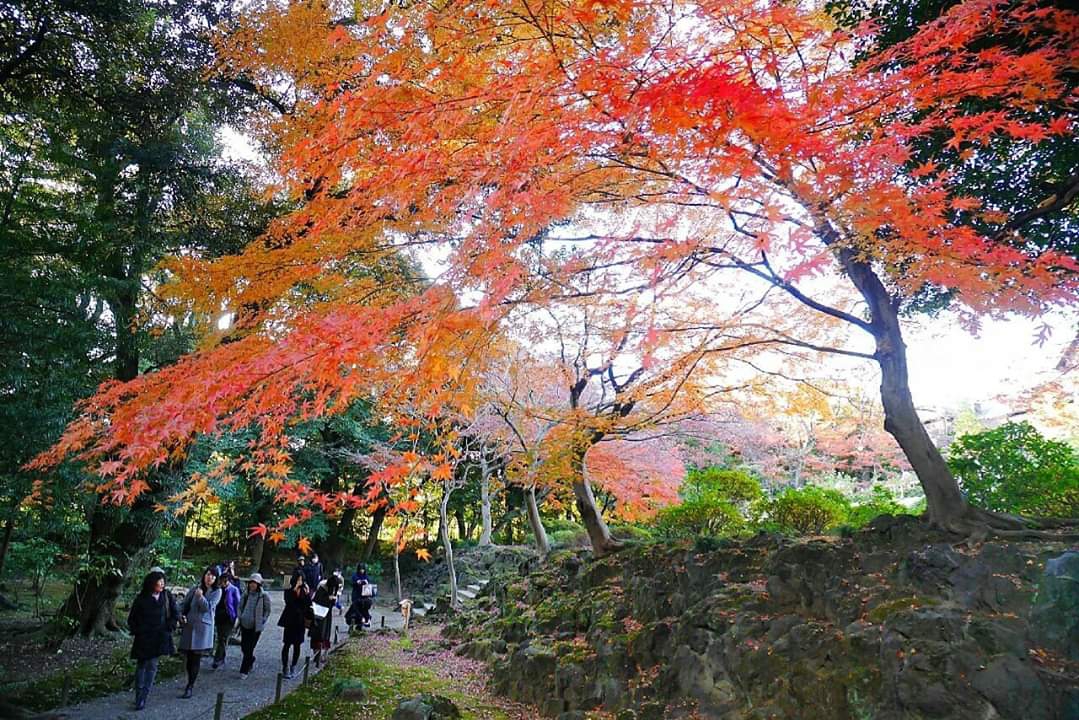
294 620
151 621
225 616
253 613
197 619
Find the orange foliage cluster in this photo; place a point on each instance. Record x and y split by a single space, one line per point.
739 132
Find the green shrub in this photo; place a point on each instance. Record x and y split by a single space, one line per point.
703 516
805 511
880 502
1014 469
635 533
715 503
733 486
565 533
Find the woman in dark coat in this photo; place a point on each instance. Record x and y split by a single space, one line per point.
152 620
293 619
359 613
321 614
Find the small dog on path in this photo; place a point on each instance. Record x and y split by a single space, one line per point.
406 612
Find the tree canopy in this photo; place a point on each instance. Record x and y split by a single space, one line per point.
673 140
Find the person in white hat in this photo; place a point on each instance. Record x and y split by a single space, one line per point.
254 611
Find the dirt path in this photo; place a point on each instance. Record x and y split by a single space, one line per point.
241 696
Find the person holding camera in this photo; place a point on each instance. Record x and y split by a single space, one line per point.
254 612
197 618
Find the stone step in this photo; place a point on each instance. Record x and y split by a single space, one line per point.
419 612
474 588
428 606
465 594
483 583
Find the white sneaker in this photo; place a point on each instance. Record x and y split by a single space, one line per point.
243 676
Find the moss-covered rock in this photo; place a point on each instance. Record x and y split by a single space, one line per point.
893 623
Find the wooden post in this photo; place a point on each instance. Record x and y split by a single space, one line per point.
65 693
383 621
277 691
219 705
306 668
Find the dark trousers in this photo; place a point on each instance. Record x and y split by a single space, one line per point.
222 631
359 612
193 662
248 640
295 654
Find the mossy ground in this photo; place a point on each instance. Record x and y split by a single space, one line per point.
89 679
392 668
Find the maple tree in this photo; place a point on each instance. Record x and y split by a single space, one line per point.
582 391
736 136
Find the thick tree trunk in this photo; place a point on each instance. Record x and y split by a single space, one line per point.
444 533
118 540
539 533
9 527
598 533
332 552
946 505
257 548
397 573
485 501
462 526
371 547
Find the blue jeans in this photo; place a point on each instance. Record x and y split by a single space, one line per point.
145 672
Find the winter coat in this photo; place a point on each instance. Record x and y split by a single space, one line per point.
292 617
229 606
254 610
312 574
358 581
322 627
152 623
198 632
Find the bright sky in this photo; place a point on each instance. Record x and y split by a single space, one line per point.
949 367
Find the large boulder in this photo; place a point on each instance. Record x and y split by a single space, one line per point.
350 689
426 707
1055 617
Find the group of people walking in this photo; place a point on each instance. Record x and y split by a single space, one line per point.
211 611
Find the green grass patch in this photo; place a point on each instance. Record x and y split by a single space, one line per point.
89 680
386 685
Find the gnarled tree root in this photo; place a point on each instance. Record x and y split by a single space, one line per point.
977 525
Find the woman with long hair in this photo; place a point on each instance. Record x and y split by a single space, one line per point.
197 616
294 619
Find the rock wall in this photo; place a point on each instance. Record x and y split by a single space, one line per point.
892 624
